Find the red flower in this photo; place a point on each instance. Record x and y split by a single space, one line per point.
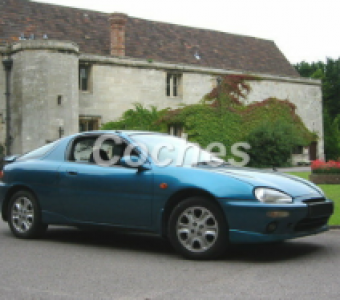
322 165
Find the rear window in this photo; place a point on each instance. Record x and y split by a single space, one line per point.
37 153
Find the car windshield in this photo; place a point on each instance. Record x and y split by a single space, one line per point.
169 150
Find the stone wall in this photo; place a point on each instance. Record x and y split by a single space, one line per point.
116 88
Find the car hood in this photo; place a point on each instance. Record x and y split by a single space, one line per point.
292 185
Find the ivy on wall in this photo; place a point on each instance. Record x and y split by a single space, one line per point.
139 118
222 116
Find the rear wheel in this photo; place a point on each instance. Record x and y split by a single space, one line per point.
24 216
197 229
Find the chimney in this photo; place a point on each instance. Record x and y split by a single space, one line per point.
117 44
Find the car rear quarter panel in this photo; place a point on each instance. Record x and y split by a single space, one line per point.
39 176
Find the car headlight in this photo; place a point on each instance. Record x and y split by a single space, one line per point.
266 195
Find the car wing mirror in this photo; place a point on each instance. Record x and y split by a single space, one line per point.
134 162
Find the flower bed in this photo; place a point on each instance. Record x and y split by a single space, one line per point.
325 172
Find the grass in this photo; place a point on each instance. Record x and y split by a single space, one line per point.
332 192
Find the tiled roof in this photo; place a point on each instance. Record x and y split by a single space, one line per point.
144 39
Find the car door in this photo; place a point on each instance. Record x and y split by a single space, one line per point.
104 194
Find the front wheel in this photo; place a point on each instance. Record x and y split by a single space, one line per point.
24 216
198 229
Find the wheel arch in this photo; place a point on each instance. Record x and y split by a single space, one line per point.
180 196
9 194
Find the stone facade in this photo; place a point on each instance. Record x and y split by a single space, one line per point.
46 100
115 88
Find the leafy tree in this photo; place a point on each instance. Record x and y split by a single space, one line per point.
329 73
332 137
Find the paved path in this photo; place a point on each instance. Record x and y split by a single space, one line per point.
293 169
70 264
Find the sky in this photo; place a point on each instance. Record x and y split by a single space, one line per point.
304 30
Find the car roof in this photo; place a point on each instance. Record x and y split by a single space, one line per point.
126 132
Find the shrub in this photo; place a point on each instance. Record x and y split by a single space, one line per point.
139 118
272 144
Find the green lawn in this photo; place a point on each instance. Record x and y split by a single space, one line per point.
332 191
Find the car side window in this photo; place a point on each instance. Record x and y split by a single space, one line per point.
83 150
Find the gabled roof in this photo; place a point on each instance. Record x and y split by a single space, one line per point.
144 39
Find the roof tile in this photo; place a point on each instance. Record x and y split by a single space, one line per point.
144 39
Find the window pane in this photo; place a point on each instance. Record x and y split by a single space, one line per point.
82 126
168 85
83 78
175 87
83 150
91 125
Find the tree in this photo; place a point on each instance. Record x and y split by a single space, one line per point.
332 136
329 73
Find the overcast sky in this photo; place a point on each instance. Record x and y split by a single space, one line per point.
303 29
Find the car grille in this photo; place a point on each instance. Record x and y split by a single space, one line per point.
310 224
319 212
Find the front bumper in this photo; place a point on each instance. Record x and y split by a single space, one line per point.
249 221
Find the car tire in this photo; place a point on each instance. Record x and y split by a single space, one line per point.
24 216
198 229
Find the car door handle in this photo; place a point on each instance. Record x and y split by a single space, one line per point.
72 173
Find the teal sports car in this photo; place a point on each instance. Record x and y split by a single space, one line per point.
133 180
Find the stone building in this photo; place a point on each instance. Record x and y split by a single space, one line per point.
74 69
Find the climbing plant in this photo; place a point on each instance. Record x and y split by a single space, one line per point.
223 116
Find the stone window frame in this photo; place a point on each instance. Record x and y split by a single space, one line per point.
86 85
89 123
176 129
174 84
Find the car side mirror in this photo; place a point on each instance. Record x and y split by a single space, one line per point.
134 162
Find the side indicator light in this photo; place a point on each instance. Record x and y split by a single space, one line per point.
1 174
163 186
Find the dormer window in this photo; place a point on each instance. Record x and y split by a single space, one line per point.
197 55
